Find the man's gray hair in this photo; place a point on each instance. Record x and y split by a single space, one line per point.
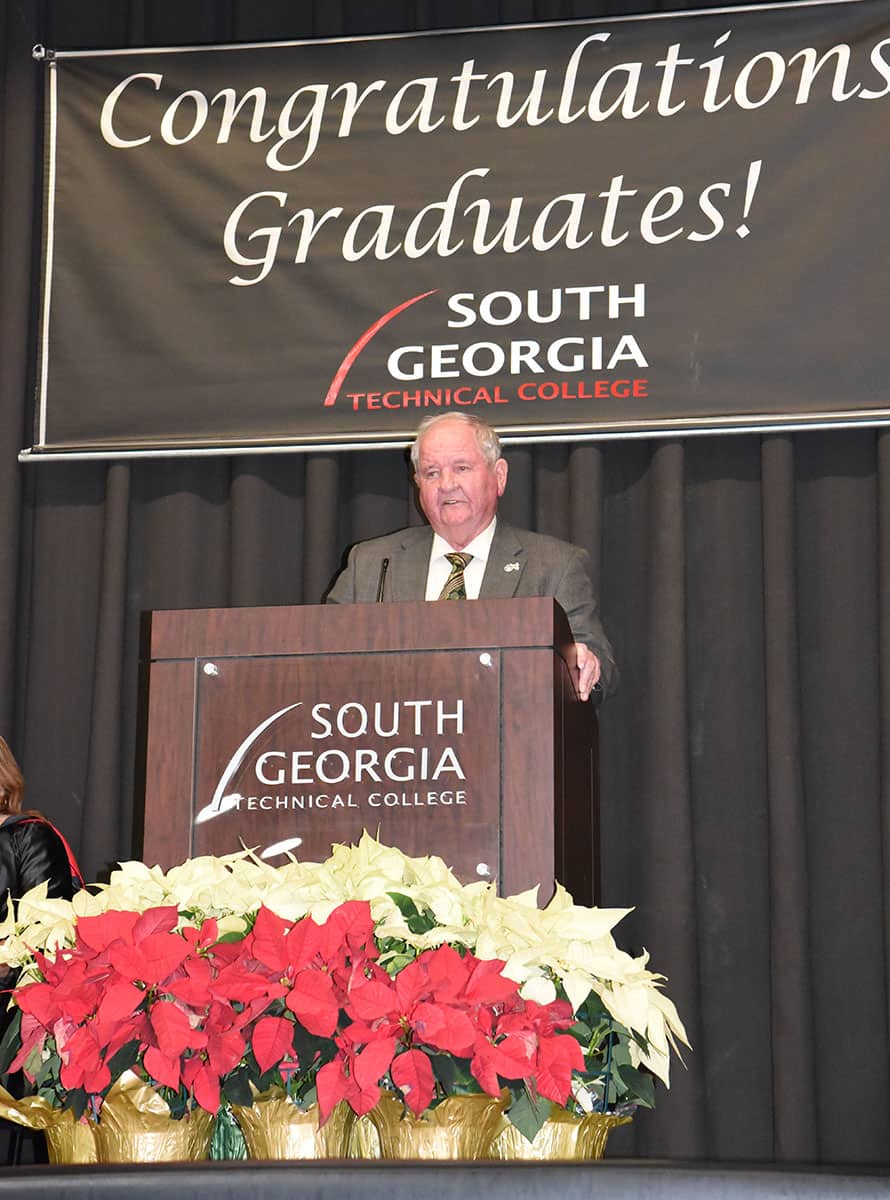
489 442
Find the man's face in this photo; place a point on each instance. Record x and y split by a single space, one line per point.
459 491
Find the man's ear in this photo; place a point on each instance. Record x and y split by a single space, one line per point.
500 472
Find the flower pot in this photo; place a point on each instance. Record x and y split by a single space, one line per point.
275 1128
70 1141
134 1140
563 1135
67 1140
135 1126
459 1127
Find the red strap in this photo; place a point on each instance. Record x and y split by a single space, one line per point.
76 873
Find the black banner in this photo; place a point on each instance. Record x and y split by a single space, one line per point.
641 224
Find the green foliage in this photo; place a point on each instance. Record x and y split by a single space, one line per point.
176 1099
528 1113
610 1080
636 1085
11 1042
418 920
124 1059
236 1088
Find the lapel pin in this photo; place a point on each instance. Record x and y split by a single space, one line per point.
514 566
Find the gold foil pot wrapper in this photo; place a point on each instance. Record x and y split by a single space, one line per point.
135 1126
67 1140
462 1127
564 1135
274 1127
365 1140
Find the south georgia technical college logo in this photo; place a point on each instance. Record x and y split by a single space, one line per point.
377 756
595 358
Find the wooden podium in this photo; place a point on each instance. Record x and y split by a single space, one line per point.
447 729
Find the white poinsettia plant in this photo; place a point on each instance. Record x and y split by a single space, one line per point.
626 1026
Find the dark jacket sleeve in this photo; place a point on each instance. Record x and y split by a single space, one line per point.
41 855
31 852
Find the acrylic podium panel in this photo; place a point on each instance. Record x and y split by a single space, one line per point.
449 729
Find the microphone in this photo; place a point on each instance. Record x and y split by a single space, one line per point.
384 567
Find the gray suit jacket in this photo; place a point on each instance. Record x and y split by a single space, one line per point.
547 567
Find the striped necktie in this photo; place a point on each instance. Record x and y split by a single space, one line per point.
454 588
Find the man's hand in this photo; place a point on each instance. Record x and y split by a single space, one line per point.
588 666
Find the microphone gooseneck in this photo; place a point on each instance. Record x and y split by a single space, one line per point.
381 583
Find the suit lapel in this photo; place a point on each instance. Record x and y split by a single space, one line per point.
506 563
410 567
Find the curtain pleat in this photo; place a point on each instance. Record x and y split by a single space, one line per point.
791 1009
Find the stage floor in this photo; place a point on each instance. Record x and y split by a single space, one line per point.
612 1180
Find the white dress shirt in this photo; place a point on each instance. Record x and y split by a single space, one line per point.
440 568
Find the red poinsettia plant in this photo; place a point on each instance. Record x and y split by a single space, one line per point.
136 991
312 966
447 1023
307 1005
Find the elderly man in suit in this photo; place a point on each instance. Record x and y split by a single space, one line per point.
468 552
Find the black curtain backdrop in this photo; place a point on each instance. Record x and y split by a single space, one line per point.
745 582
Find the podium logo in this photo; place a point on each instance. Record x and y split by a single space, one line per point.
353 745
223 802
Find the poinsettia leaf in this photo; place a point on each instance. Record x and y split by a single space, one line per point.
372 1063
271 1041
398 962
77 1100
620 1053
11 1041
444 1028
119 1000
225 1049
528 1113
42 1072
205 1088
124 1058
413 1075
98 1079
371 999
418 920
161 954
237 1087
176 1100
637 1085
452 1073
309 1048
447 971
487 985
162 1068
556 1059
172 1028
333 1085
512 1057
162 919
38 1000
266 940
100 931
313 1002
484 1071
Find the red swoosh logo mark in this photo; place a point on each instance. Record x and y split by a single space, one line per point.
370 332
